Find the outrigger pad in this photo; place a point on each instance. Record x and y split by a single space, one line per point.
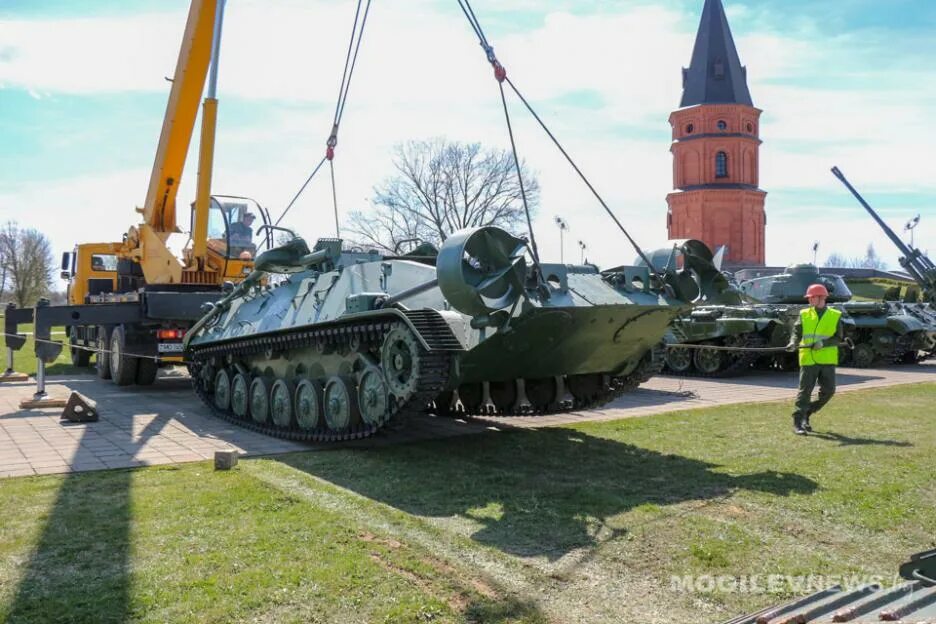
80 409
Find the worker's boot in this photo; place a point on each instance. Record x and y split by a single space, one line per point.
806 426
798 428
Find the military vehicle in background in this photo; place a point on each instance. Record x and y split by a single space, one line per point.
349 341
896 331
728 320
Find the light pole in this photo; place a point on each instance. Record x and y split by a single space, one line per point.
911 224
815 252
563 228
582 246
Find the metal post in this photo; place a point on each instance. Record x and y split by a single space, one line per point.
40 381
9 360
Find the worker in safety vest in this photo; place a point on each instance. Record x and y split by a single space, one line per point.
816 336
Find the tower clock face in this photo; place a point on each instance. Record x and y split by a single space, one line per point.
722 125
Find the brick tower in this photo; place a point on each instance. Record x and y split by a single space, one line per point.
716 149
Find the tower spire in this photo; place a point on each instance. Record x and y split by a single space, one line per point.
715 75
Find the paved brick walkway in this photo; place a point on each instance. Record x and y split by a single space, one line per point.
168 424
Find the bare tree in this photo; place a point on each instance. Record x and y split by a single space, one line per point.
871 260
441 187
3 272
836 260
26 256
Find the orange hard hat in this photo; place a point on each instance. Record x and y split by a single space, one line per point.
817 290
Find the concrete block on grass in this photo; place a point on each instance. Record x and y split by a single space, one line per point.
225 459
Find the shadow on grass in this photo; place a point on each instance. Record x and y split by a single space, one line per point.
534 492
79 569
844 440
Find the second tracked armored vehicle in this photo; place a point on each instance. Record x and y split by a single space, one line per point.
730 319
348 341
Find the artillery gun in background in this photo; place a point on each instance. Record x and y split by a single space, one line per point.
758 313
348 342
894 330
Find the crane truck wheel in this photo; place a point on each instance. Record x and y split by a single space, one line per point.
102 358
122 365
79 356
147 370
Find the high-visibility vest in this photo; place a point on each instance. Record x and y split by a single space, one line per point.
815 328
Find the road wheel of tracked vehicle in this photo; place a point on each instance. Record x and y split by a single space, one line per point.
123 365
586 388
102 358
708 361
260 400
373 396
308 404
504 395
79 356
844 356
281 402
222 390
904 353
340 403
400 358
240 395
471 395
542 393
443 404
863 355
679 360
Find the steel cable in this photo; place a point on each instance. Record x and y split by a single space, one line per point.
354 46
91 349
466 8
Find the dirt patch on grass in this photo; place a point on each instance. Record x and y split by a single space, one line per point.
389 542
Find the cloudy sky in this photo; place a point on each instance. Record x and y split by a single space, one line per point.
844 82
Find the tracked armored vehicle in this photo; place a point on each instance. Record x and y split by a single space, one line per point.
731 319
348 342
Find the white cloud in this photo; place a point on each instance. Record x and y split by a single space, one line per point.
421 73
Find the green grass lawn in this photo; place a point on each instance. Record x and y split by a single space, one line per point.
587 523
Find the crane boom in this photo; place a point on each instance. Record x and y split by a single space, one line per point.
188 83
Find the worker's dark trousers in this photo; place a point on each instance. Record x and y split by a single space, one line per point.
809 375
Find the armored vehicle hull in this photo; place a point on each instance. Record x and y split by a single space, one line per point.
742 327
731 319
348 342
890 332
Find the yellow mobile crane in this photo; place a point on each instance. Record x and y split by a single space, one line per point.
136 297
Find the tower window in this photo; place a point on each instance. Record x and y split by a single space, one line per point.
722 124
721 165
690 129
750 128
718 69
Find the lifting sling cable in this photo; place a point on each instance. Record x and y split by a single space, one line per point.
501 74
354 45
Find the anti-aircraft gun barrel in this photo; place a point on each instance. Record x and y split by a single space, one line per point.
917 264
